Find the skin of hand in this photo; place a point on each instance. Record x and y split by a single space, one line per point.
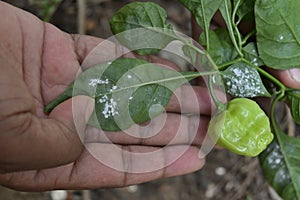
42 152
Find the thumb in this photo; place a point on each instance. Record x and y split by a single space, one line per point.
291 77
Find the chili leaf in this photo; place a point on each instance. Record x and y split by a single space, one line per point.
226 11
294 97
276 172
138 92
251 54
242 80
278 35
203 11
126 91
221 48
245 9
150 32
281 162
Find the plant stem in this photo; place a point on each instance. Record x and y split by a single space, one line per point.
206 28
231 30
220 106
226 64
234 24
248 36
273 117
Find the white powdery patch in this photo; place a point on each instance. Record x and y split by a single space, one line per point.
242 82
113 88
110 107
129 76
96 81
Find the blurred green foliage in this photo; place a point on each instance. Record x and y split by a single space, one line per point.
46 7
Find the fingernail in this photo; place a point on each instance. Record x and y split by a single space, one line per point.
295 74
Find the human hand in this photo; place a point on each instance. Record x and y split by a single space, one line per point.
44 152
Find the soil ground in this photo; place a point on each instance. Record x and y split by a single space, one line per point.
225 176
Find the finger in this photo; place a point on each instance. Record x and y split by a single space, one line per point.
91 51
165 129
123 166
43 143
191 99
290 78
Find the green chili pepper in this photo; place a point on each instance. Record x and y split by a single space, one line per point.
242 128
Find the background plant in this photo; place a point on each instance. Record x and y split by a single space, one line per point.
46 7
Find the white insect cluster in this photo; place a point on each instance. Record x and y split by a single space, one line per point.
242 82
96 81
110 105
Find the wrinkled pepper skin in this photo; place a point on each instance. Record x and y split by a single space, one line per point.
242 128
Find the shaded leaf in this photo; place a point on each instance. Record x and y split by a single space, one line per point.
251 54
226 11
245 9
200 60
242 80
282 160
203 11
221 48
276 172
278 35
294 98
148 32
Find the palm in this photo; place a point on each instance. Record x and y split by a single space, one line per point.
37 63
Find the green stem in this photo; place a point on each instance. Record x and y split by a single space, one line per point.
238 34
248 36
206 28
231 31
227 64
273 116
220 106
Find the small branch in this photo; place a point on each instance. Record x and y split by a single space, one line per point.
81 16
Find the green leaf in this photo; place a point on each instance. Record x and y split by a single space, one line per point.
142 27
278 35
235 35
242 80
245 9
221 48
294 98
137 92
203 11
251 54
276 172
126 91
226 11
281 161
